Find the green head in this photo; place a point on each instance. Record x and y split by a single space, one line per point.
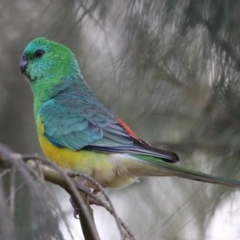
43 59
49 67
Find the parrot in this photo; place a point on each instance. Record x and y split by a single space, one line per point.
77 132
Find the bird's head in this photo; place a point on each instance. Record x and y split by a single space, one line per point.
43 59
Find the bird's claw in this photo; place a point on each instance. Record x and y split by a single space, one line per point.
75 207
90 200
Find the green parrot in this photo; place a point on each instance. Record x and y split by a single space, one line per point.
79 133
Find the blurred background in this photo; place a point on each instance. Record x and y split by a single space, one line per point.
170 70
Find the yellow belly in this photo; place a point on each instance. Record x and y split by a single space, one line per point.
113 170
97 165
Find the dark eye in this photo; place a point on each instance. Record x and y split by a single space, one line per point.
38 53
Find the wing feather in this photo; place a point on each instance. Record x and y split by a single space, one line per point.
77 122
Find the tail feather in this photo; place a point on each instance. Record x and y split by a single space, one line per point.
181 172
202 177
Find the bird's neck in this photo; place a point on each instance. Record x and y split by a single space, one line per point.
42 92
45 90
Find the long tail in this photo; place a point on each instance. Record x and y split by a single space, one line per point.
181 172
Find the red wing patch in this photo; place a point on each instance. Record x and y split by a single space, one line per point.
128 130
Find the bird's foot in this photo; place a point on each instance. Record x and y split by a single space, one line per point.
93 201
90 200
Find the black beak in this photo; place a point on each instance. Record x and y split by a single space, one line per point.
23 64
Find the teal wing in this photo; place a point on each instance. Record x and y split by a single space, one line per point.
77 121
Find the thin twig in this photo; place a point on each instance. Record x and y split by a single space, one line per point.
5 172
12 191
53 197
110 208
53 173
58 176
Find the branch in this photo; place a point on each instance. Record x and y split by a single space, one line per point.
41 168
